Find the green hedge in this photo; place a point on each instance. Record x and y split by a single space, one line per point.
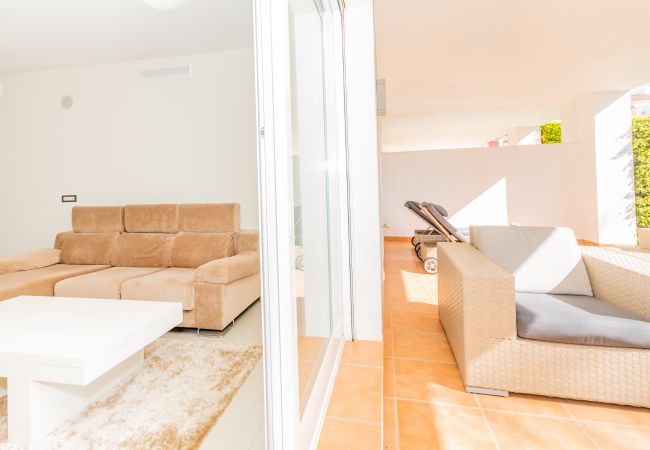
552 133
641 148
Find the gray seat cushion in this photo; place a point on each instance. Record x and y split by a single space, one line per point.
579 319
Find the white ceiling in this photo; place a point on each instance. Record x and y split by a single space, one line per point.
462 72
47 34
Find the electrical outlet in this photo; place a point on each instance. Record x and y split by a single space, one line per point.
68 199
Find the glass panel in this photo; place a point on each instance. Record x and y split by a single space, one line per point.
313 204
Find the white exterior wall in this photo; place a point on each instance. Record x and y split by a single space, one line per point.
125 140
600 125
529 185
585 183
525 135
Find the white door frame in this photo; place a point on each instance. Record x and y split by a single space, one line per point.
276 224
285 429
316 408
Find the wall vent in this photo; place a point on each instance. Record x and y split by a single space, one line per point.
166 72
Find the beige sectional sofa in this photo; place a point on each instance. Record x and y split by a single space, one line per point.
189 253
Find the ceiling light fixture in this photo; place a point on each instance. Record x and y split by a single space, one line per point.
165 4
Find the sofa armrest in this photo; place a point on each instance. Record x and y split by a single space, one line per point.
476 297
29 261
248 241
620 277
60 238
227 270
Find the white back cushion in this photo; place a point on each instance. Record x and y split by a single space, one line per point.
543 260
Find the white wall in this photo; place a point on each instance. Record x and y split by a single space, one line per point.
365 215
125 140
600 124
529 185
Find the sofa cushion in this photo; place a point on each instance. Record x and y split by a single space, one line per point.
209 218
41 281
97 219
192 250
142 250
172 285
543 260
28 261
88 248
579 319
103 284
151 218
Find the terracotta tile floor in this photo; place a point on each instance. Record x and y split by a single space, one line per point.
311 350
355 411
426 407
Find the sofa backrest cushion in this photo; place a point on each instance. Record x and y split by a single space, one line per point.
97 219
543 260
248 241
151 218
142 250
192 250
209 218
88 248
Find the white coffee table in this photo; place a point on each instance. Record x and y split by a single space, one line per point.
60 354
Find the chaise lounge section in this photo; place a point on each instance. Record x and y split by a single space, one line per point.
194 254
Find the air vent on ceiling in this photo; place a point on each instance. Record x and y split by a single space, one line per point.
166 72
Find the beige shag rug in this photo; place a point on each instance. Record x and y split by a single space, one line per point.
171 403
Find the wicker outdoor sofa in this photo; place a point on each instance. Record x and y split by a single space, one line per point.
478 311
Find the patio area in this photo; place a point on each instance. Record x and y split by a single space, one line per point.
426 407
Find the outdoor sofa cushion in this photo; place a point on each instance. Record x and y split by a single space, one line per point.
579 319
543 260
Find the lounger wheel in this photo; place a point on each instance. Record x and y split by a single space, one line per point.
430 265
413 241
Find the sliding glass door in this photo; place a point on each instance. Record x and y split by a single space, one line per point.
315 256
303 182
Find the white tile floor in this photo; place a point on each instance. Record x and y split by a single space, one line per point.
241 427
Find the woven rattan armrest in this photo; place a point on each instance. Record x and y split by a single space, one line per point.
476 296
620 278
